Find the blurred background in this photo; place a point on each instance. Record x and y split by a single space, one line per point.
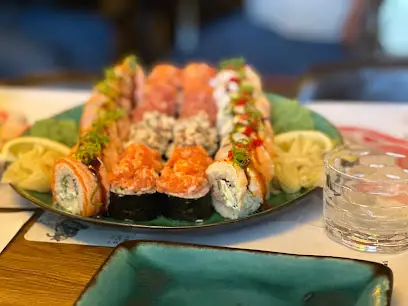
283 39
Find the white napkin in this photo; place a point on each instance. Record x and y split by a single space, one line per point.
10 224
9 199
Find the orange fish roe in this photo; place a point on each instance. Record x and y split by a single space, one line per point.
138 169
184 171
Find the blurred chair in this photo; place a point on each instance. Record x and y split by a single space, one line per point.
383 80
64 79
46 37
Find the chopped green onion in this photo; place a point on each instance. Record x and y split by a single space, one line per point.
90 144
240 156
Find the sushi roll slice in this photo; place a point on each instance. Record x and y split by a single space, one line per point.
242 174
121 87
155 131
160 92
184 181
194 131
80 189
197 92
236 192
133 185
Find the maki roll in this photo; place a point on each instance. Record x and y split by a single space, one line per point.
184 181
133 185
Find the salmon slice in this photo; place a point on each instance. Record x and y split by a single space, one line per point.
263 163
256 182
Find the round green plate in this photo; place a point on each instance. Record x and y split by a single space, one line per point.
273 204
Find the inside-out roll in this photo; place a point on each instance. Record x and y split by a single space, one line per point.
244 168
80 189
236 192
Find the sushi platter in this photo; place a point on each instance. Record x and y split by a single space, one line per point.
175 148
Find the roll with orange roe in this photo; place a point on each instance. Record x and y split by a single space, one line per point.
185 183
133 188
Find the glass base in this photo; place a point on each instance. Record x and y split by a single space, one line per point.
387 244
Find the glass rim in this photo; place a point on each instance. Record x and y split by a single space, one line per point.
353 147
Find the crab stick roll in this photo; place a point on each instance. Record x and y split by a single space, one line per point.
184 181
80 189
133 185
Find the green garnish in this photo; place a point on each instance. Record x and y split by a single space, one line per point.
252 111
61 130
94 192
90 144
234 63
132 61
240 154
97 204
288 115
104 88
237 128
110 74
93 196
247 88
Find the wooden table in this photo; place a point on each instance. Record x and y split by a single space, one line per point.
33 273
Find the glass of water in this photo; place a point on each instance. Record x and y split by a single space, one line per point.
366 198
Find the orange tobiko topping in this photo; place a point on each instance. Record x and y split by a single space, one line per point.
184 170
137 169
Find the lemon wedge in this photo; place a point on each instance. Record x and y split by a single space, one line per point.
15 148
303 142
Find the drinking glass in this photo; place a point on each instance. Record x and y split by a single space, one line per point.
366 198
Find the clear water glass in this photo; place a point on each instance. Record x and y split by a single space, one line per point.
366 198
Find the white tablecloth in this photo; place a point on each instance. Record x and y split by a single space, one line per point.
297 230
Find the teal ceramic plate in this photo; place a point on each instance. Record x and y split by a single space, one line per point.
152 273
273 204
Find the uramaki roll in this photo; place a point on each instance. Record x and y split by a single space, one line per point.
236 192
80 189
